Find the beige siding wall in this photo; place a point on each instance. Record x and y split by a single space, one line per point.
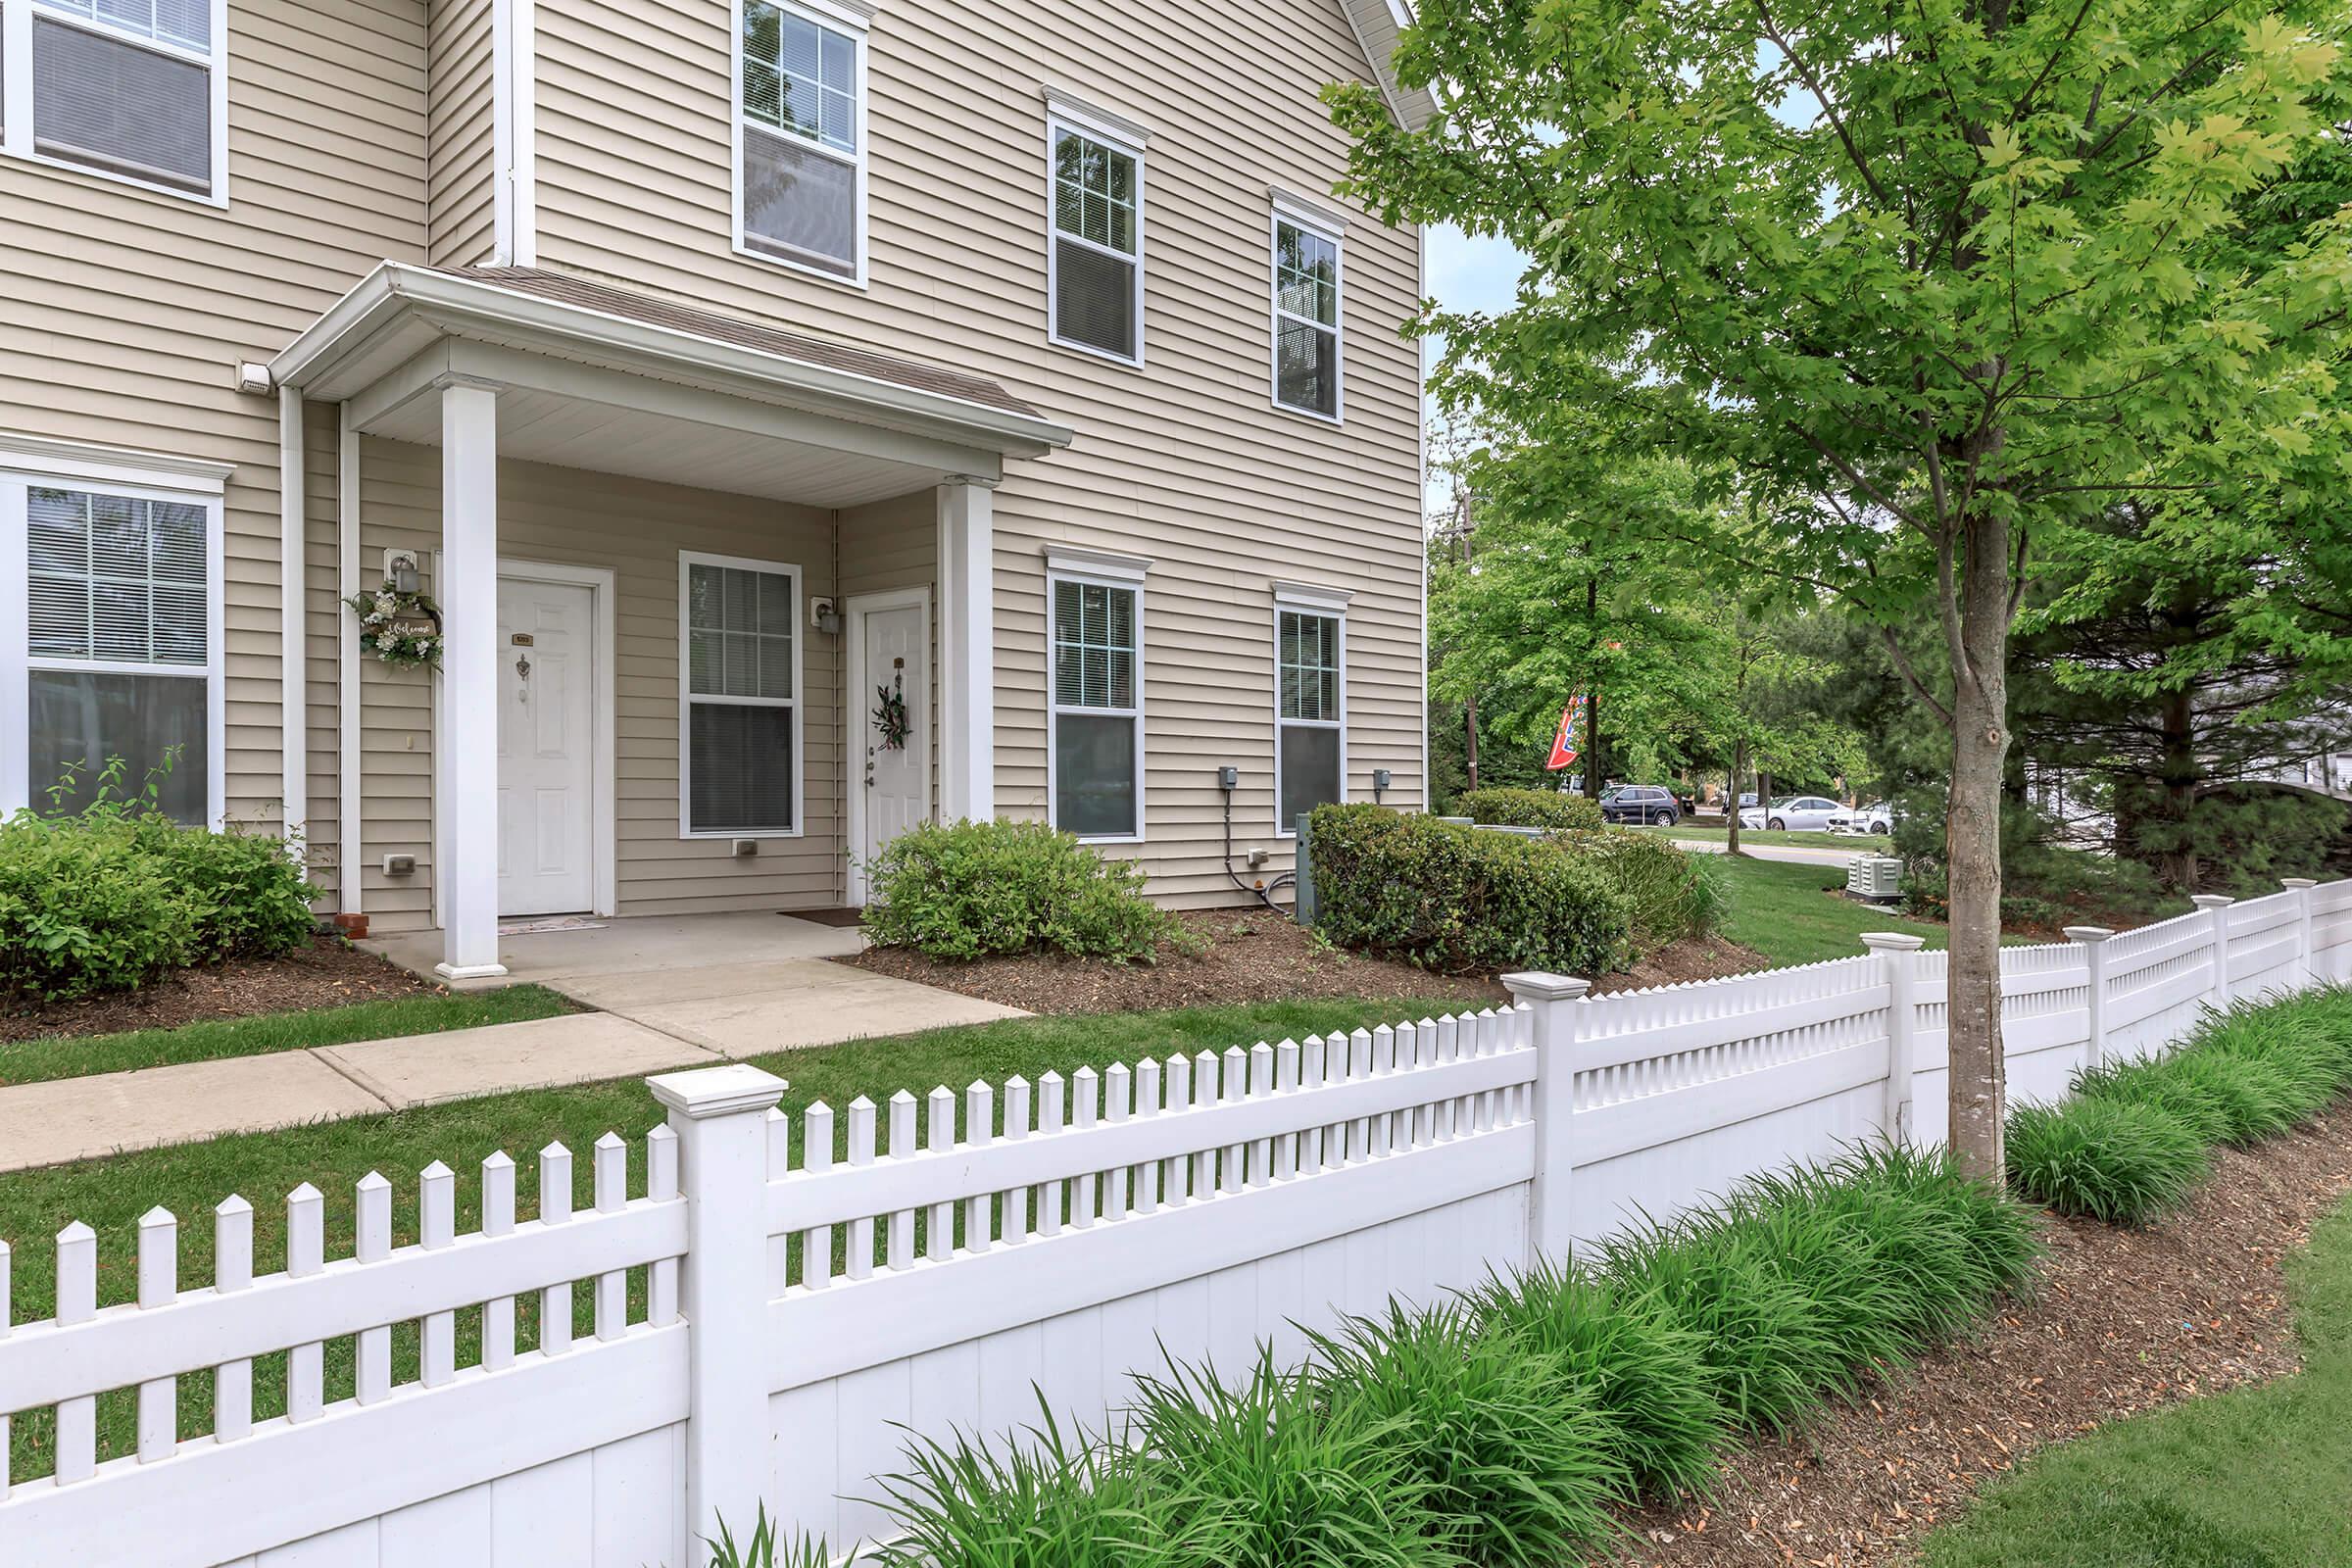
636 529
1183 460
461 131
125 312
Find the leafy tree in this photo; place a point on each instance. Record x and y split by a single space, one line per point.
1938 280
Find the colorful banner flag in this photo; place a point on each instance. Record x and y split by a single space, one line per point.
1565 746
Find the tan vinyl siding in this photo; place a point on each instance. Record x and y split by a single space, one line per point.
1184 460
128 311
461 131
635 528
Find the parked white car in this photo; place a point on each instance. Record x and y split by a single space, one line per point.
1876 817
1807 813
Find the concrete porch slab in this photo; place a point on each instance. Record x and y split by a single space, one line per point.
457 1063
780 1006
632 944
81 1118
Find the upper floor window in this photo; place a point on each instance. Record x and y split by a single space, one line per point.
1306 317
1095 261
800 140
134 90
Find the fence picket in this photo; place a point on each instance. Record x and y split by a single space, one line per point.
902 1146
1084 1107
555 1208
306 1255
1050 1120
498 1220
158 1286
1237 1089
1360 1065
77 1302
1261 1084
661 1184
1118 1091
940 1231
816 1155
979 1123
611 1191
1180 1097
232 1271
373 1234
1204 1092
1313 1141
861 1249
1146 1104
1286 1081
437 1228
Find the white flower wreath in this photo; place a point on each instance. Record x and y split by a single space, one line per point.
402 629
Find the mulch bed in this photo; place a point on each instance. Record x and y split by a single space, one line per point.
1251 955
2125 1321
328 973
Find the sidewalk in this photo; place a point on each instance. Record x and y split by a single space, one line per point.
669 993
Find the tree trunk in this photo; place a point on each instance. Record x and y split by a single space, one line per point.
1731 805
1470 735
1973 849
2179 766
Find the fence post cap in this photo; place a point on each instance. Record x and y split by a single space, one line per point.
2211 901
1893 941
2088 933
704 1091
2298 883
1539 985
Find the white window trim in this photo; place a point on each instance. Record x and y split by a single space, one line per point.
1102 570
1303 217
1065 113
1298 599
29 462
17 96
851 17
688 697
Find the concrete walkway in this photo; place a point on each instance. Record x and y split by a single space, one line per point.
671 992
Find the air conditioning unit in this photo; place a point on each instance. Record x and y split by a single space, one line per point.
1876 877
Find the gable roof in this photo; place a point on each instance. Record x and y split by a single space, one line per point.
1377 22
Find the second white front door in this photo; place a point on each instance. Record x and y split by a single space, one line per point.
895 754
546 746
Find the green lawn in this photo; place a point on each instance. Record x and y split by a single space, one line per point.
72 1056
108 1195
1784 911
2260 1478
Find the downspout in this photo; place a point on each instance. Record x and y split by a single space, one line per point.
293 567
350 837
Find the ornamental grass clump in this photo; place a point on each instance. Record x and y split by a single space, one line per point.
2116 1160
1518 1462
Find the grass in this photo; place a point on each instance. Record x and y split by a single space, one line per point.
108 1195
1783 911
2256 1478
1858 843
33 1062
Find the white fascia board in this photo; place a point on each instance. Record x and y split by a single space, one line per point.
1312 596
468 307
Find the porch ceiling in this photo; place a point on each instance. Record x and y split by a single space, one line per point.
594 377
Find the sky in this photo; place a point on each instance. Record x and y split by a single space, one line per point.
1469 274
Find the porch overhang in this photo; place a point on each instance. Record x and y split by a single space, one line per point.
596 377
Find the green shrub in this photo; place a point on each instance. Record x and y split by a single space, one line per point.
1518 807
2106 1159
2251 1096
1643 1373
963 890
1670 893
1462 899
85 907
1277 1480
1518 1462
257 899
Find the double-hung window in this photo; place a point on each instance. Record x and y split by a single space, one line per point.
134 90
1310 705
1306 316
1097 707
110 641
739 740
1095 258
799 175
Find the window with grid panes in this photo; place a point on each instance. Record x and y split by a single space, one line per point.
802 159
1098 709
742 738
1098 244
1308 740
1306 318
121 87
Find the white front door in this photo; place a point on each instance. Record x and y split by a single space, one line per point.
546 746
892 767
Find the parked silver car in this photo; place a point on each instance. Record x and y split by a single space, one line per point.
1807 813
1876 817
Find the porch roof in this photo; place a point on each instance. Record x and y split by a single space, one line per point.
594 373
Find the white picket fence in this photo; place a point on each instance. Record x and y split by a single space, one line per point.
766 1332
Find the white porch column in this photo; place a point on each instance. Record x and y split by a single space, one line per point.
967 657
465 765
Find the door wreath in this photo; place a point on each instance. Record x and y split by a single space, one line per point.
890 714
400 630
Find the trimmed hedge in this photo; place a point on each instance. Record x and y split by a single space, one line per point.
1503 1428
2135 1140
1670 894
1461 900
1518 808
964 890
116 894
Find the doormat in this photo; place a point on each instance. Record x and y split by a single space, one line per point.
559 922
842 917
